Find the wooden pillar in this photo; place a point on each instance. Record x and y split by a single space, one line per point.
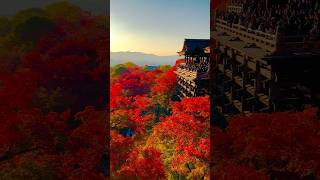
273 91
225 55
242 102
233 63
258 79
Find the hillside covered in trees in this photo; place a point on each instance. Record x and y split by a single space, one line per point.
53 74
153 137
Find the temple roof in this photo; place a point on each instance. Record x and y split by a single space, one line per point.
194 46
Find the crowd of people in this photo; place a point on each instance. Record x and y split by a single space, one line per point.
196 67
291 17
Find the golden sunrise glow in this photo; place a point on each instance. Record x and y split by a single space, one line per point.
124 40
116 38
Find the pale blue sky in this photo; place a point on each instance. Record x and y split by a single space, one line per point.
157 26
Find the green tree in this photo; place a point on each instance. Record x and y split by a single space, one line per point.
165 67
129 64
119 69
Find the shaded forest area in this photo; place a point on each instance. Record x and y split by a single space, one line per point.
53 74
281 145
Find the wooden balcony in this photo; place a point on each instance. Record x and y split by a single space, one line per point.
240 59
191 75
188 88
264 99
265 72
261 39
250 89
184 94
189 82
181 85
186 74
228 73
229 96
238 105
238 80
193 93
252 65
235 8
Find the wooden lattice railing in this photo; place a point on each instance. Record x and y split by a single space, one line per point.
261 39
235 8
266 41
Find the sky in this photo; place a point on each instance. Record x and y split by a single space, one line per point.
157 26
10 7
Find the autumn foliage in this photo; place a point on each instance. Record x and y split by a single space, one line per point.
54 114
52 108
152 136
282 145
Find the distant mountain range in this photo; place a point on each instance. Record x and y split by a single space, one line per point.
141 59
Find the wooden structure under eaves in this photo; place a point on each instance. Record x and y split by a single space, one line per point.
192 74
255 71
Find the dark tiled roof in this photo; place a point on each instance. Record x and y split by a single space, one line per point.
192 46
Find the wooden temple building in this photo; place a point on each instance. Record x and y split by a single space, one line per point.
255 71
192 74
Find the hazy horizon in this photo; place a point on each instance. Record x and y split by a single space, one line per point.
143 53
141 58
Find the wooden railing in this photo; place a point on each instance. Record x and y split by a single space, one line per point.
197 68
261 39
266 41
235 8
